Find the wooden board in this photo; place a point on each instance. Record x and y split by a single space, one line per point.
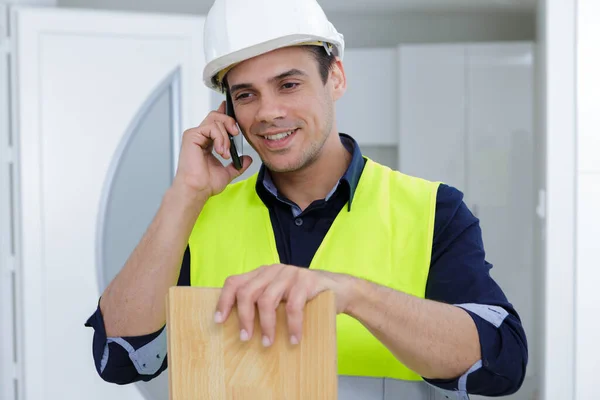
209 361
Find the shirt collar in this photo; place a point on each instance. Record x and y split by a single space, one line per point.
349 179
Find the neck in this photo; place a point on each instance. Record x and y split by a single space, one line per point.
316 180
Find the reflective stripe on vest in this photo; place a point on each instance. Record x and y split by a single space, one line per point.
362 388
385 238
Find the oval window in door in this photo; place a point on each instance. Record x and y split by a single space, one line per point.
141 171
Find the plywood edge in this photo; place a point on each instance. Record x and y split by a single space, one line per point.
170 370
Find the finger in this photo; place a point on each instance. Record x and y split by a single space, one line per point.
228 296
206 137
219 141
229 293
229 122
268 302
233 127
246 304
294 307
225 150
233 172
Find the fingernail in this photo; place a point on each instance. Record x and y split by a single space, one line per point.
244 335
218 317
265 341
293 340
227 154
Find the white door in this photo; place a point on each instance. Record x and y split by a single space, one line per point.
101 100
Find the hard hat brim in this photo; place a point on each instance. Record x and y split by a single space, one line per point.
212 69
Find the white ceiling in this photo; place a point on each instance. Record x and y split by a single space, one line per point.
338 6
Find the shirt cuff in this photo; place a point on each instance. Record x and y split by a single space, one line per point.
455 389
493 324
146 359
145 353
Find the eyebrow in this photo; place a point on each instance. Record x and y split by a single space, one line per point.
286 74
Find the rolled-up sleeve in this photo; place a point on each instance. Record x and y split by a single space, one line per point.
459 275
124 360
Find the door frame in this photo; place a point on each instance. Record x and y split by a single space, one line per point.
557 127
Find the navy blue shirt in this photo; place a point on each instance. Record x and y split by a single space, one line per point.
459 275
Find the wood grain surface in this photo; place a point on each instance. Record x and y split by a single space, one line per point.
209 361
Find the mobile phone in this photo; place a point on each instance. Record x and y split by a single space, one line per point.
235 156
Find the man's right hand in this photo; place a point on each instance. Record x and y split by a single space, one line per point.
198 169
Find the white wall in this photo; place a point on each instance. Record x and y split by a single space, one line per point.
373 29
588 199
7 274
389 30
539 221
556 39
568 37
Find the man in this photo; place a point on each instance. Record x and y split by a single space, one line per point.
404 257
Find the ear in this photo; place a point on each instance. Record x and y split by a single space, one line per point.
337 77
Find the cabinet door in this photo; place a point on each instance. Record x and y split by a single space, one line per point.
500 164
367 109
431 113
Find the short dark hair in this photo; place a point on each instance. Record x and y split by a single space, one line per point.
324 59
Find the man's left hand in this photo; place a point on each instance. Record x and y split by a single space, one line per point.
266 287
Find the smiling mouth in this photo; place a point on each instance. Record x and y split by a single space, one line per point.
280 136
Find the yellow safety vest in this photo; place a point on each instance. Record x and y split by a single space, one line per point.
385 238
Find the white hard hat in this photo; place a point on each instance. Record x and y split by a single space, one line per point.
236 30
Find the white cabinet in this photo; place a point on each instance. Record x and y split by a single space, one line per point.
431 112
367 111
466 118
500 166
368 108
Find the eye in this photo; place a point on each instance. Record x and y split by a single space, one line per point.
242 96
290 85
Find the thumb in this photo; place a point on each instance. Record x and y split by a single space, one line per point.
234 173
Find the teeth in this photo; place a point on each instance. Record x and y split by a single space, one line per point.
279 136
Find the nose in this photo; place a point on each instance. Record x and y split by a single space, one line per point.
270 109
